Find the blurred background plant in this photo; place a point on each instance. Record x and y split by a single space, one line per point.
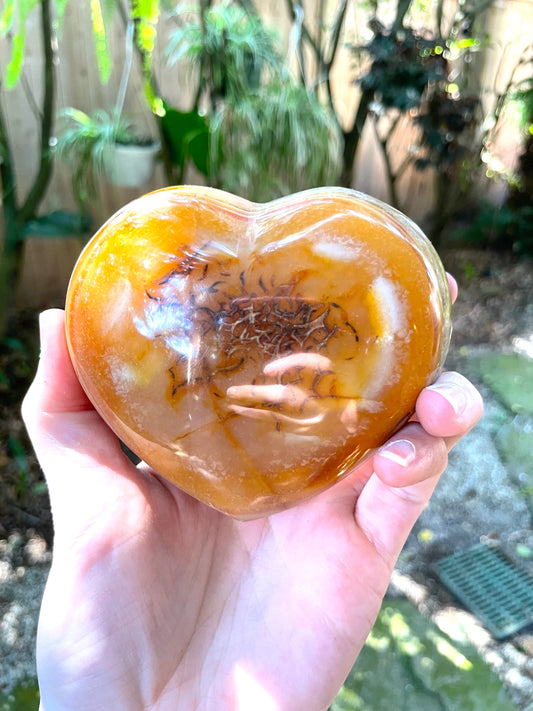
507 224
415 75
268 135
85 146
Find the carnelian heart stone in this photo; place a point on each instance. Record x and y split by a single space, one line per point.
253 354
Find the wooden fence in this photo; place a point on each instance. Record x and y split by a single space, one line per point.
48 263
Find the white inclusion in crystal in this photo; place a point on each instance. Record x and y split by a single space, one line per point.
169 321
313 235
390 308
337 249
394 332
120 299
122 374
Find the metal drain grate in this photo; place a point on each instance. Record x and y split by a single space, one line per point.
491 586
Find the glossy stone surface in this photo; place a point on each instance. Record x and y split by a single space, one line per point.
253 354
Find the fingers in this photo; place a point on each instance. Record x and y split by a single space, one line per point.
414 457
408 467
452 284
446 412
450 407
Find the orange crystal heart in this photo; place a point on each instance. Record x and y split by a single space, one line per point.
253 354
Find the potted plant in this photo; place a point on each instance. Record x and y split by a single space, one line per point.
104 144
130 161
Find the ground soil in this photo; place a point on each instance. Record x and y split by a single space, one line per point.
23 500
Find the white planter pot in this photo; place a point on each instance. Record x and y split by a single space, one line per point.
131 166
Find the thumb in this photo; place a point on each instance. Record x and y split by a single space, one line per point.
80 456
56 388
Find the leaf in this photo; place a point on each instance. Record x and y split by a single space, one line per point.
58 224
17 58
14 66
103 57
146 12
188 137
77 115
15 344
6 19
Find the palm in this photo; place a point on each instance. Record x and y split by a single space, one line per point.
182 590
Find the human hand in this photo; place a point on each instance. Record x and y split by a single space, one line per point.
155 601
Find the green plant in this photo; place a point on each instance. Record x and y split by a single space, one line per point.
263 133
508 226
85 145
413 71
186 136
228 48
499 227
404 62
18 454
520 201
17 211
275 140
410 77
405 66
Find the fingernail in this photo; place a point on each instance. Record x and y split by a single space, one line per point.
401 451
453 394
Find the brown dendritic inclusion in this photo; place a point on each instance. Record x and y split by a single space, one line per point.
252 354
233 325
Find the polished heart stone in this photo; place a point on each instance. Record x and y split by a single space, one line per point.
253 354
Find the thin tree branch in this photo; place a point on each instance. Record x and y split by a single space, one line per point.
391 176
320 32
335 35
44 173
338 22
7 175
352 137
401 12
